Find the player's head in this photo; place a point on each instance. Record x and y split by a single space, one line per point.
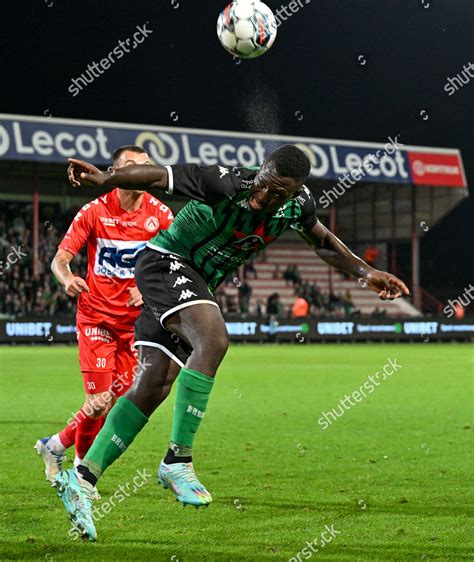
128 155
280 177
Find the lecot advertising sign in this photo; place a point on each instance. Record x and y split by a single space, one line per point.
53 140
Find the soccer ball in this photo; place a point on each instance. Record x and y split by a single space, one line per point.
246 28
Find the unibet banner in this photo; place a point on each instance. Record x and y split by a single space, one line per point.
53 140
425 329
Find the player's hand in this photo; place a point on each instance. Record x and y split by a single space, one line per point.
75 286
135 298
82 173
386 285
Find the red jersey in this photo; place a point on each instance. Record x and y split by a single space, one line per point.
114 239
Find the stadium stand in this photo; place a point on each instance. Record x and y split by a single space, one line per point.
21 294
287 268
269 279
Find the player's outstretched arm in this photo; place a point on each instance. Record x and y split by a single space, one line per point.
72 284
335 253
138 176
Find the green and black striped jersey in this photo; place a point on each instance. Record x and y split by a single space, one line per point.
217 230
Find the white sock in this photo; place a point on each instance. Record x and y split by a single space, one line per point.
54 443
77 461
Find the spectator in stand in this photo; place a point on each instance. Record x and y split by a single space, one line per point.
300 307
459 311
334 302
347 303
220 298
259 309
245 291
371 255
249 270
379 313
274 307
292 274
230 304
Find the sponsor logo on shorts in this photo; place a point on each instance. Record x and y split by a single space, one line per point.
152 224
181 281
187 294
98 334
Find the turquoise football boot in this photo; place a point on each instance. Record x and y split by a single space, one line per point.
77 495
181 479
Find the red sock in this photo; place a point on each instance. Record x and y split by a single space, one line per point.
85 434
68 435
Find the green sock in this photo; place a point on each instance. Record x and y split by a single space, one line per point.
192 396
123 423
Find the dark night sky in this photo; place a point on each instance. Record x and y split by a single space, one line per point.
312 68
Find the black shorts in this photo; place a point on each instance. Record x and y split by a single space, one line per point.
167 283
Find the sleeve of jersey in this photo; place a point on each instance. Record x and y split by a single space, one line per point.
166 217
308 218
201 183
78 232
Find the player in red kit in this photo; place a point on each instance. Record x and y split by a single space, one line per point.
115 228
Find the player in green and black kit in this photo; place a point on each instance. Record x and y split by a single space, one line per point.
232 213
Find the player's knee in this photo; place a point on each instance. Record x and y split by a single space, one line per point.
98 405
222 345
213 347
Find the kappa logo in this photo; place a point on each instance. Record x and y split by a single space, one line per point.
181 281
223 171
187 294
175 266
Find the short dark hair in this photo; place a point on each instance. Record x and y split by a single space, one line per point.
290 162
130 147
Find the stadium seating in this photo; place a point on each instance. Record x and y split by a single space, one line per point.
269 280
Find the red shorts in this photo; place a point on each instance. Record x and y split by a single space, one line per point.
106 357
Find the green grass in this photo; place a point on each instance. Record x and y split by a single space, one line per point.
393 475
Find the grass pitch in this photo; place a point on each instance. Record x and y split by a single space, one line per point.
393 475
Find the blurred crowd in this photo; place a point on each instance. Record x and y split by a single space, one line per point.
20 293
309 298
